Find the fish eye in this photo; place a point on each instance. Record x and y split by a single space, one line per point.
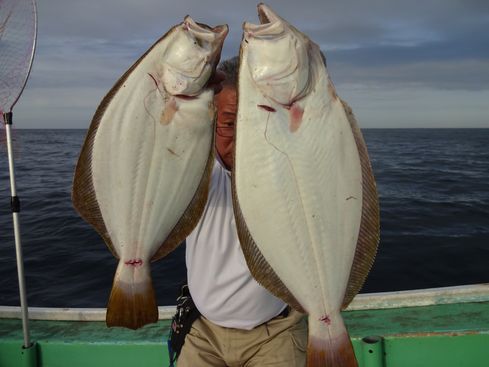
198 42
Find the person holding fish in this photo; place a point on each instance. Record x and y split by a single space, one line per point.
241 323
125 184
292 230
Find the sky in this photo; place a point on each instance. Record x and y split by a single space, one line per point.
399 64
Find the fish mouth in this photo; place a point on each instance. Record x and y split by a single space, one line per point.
277 57
204 34
271 25
192 57
209 39
266 14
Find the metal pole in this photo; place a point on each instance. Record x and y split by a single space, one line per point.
373 351
15 206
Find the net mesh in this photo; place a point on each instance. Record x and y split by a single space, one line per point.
17 42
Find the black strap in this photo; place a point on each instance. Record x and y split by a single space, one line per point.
181 324
284 313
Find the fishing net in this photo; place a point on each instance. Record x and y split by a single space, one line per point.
17 43
18 27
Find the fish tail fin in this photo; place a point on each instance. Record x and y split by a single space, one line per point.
329 344
132 303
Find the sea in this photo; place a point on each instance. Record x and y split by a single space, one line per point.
433 187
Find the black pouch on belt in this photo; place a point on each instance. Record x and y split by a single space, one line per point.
186 314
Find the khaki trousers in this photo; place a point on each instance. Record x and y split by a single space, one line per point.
281 342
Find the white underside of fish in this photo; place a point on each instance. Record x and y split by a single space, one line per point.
142 176
300 192
145 172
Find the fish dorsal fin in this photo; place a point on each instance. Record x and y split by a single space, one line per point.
83 193
369 233
191 216
258 266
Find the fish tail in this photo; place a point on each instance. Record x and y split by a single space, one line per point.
132 303
329 344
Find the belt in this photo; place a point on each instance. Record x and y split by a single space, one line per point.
284 313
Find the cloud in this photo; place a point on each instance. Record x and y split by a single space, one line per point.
383 40
443 65
57 107
416 107
83 62
381 45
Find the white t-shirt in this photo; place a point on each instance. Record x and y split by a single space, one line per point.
218 278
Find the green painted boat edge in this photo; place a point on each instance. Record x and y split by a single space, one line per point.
363 301
416 349
450 333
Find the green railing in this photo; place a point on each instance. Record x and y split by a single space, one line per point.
446 327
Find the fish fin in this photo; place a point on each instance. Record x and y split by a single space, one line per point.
132 303
369 233
331 353
329 345
192 214
258 266
83 193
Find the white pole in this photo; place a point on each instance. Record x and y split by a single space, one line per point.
15 204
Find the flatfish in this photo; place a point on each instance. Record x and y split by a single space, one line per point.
142 176
304 194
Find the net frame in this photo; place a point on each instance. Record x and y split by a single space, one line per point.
18 37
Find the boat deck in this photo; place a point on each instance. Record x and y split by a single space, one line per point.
437 335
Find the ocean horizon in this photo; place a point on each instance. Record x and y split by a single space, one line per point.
434 199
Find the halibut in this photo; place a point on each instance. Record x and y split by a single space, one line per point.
305 198
142 176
